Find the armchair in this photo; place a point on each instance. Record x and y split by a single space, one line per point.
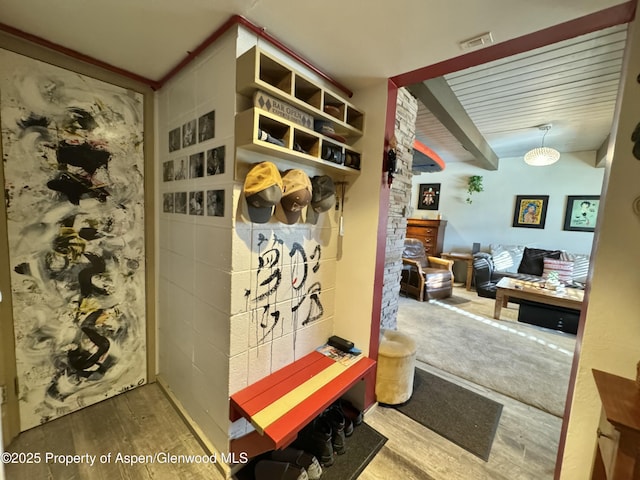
425 277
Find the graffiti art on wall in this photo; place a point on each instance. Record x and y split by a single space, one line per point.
284 297
73 166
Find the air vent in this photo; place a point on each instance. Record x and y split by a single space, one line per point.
477 42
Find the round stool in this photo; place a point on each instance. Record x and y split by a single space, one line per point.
396 367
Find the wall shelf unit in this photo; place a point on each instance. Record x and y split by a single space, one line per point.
299 144
296 141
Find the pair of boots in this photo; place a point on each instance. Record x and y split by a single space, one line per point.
325 435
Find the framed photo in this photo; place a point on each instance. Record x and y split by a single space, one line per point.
530 211
429 197
215 203
196 165
174 140
207 126
167 171
180 202
581 213
167 202
189 133
215 161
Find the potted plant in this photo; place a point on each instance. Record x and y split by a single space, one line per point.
474 184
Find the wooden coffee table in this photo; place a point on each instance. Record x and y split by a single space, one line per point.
511 288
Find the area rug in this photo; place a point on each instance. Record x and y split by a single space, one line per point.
362 447
527 363
464 417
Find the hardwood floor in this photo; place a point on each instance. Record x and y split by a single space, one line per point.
139 422
143 421
524 447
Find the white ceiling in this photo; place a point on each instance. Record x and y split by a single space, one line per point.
572 85
355 41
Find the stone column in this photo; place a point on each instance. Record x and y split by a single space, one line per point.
399 206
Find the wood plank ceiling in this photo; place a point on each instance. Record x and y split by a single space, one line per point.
573 85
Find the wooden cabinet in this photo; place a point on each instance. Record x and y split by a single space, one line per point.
278 108
430 232
618 454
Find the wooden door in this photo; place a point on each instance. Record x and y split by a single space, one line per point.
73 177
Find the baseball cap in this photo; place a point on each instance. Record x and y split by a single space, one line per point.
263 189
323 197
325 127
296 196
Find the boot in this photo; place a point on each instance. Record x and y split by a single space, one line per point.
337 421
315 438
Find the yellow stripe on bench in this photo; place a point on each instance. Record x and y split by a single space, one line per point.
268 415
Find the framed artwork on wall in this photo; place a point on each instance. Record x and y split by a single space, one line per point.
530 211
581 213
429 196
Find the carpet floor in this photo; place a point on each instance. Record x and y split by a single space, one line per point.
460 415
527 363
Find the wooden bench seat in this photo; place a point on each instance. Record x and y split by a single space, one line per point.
281 404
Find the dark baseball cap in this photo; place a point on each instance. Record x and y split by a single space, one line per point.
323 197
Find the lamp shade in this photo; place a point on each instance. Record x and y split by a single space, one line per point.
541 156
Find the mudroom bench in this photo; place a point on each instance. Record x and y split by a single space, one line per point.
281 404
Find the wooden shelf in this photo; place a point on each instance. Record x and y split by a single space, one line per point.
316 147
257 70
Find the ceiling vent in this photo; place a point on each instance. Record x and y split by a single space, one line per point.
477 42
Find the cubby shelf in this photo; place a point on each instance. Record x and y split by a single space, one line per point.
290 136
257 70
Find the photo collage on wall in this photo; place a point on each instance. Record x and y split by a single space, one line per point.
201 164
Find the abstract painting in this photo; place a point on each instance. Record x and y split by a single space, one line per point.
74 171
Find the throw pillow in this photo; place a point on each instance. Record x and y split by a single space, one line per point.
580 265
506 258
563 267
533 260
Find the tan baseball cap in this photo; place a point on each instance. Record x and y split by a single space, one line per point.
263 190
296 196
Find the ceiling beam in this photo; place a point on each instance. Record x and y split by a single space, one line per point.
437 96
601 153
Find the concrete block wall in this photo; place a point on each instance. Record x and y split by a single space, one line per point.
399 202
237 300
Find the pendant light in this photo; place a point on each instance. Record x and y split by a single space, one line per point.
542 156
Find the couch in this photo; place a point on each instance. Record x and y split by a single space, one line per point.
422 276
526 263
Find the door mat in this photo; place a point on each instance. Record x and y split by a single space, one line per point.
461 416
362 447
